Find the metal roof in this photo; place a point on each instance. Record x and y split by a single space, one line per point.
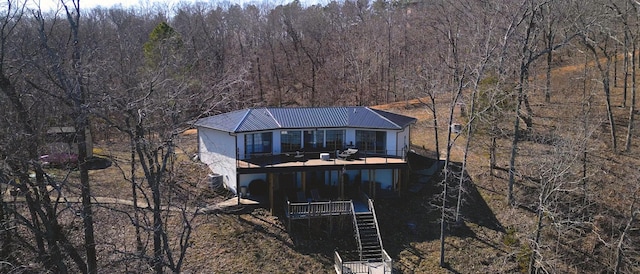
268 118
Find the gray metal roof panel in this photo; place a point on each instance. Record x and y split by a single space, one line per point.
363 117
260 119
326 117
400 120
227 122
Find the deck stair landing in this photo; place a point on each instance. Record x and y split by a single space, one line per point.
370 244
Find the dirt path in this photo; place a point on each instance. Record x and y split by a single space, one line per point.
229 205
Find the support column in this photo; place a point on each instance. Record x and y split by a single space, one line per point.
271 186
341 180
373 184
238 187
303 174
399 180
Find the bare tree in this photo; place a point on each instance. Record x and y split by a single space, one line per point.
529 54
74 88
625 246
597 36
20 154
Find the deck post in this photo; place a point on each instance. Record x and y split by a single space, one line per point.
341 179
399 180
303 174
373 186
372 182
270 178
288 211
330 219
239 194
309 217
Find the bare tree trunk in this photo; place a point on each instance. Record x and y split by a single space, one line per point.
586 103
150 166
5 230
615 67
604 74
460 84
134 194
492 151
547 90
78 94
516 139
260 85
632 109
514 153
625 63
435 124
612 123
619 252
464 159
443 216
536 241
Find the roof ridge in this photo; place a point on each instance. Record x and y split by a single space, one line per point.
268 110
244 118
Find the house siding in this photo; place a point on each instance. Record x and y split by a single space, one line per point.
217 150
401 142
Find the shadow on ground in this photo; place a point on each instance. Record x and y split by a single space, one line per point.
416 216
95 163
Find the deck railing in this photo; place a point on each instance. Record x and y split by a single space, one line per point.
388 262
375 220
301 210
355 227
273 159
361 267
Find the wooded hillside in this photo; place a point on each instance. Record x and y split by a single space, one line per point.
544 92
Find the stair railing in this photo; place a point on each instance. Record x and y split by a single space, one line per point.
355 225
375 220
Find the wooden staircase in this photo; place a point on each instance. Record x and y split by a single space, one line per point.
370 244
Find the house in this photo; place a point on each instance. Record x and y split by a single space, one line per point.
63 140
247 146
318 161
61 146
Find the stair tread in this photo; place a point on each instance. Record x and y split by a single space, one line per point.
367 230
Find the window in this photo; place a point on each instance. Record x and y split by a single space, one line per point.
290 140
335 139
371 141
258 143
313 139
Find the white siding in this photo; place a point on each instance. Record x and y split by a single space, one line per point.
391 143
217 149
402 141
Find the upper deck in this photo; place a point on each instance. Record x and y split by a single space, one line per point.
300 160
